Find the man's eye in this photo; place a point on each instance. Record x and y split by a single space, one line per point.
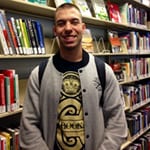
60 24
75 22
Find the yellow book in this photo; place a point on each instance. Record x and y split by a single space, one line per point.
8 138
25 36
126 70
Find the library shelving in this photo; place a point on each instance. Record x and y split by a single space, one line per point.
23 64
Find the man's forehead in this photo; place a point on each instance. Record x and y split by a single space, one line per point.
70 13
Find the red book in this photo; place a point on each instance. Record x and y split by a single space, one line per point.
2 142
14 38
2 94
114 12
10 73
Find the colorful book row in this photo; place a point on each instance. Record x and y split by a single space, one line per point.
9 90
136 95
125 13
20 36
9 139
138 120
129 42
133 69
142 143
41 2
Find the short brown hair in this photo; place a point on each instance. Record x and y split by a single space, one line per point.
67 5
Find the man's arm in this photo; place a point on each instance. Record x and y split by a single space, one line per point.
30 133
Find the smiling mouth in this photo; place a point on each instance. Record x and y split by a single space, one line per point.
69 38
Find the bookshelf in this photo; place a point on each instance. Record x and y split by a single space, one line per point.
46 13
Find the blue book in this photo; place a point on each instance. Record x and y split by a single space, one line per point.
40 36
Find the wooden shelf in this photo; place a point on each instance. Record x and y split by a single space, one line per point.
6 114
27 7
132 139
121 54
137 106
47 11
135 80
24 56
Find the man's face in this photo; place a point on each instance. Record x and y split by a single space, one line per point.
69 28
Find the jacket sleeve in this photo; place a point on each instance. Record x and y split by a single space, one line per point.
116 130
30 134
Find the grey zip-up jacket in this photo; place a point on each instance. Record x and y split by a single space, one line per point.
105 128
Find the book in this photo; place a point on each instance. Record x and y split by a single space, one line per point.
16 91
5 34
20 35
7 94
40 35
25 36
99 9
14 132
41 2
3 44
2 94
84 8
14 39
59 2
36 37
126 70
87 41
124 13
13 21
2 142
8 36
8 139
31 35
10 73
114 41
114 12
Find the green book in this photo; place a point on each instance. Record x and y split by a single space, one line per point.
99 9
16 91
20 34
7 94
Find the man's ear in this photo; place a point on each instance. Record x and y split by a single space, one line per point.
83 26
54 31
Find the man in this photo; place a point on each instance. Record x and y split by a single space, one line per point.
63 113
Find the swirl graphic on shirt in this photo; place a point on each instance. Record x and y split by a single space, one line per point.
70 126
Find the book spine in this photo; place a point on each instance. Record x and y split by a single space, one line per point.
10 73
5 34
3 42
40 36
20 36
29 48
8 32
2 94
32 36
29 36
36 37
8 137
2 142
7 94
16 90
12 19
13 36
24 36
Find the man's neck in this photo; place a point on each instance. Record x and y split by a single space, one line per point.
71 55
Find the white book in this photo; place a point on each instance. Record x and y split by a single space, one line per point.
3 42
99 9
84 8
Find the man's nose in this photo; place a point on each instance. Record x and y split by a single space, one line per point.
68 26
